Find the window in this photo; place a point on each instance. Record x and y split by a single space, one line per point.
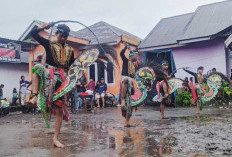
100 70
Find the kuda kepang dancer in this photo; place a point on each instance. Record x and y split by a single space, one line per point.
55 80
126 84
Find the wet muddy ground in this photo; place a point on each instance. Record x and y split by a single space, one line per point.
102 134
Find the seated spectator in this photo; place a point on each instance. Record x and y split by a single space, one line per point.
101 90
80 87
96 87
91 85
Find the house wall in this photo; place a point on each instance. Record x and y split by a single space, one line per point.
10 77
209 54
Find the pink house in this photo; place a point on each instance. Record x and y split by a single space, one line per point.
193 40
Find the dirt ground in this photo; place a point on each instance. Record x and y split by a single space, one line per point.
102 134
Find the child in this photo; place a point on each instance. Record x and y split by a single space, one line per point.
191 83
1 91
15 97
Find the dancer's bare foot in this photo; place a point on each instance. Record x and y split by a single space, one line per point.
198 112
57 143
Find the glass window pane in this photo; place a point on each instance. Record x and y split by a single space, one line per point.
110 73
100 71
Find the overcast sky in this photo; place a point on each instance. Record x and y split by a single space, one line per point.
135 16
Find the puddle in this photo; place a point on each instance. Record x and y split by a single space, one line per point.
103 134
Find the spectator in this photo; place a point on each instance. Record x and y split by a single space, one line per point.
101 90
80 87
23 90
96 87
214 70
91 85
1 91
186 85
15 97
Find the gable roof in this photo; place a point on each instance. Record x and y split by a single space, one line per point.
205 22
167 31
209 20
105 33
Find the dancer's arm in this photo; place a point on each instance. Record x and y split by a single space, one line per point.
190 72
35 34
122 54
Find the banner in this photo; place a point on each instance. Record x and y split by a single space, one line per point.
10 52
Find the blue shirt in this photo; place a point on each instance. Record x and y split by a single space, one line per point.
101 88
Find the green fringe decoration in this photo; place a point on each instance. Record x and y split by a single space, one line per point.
42 103
201 105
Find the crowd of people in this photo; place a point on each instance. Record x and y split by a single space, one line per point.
20 96
96 90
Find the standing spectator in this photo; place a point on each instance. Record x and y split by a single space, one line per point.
91 85
191 83
80 87
186 85
1 91
23 90
101 91
212 71
14 97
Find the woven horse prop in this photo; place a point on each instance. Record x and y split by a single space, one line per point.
214 83
144 79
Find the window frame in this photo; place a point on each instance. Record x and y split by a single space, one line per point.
105 74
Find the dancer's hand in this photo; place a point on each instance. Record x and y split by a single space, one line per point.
46 26
123 44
